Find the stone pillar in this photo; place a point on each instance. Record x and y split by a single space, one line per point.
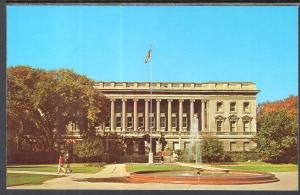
146 115
158 146
158 114
112 115
180 115
123 114
169 115
135 115
202 115
191 113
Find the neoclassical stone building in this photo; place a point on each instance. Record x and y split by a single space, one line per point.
226 110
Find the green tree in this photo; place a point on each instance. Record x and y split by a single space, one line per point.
211 149
43 103
277 137
89 149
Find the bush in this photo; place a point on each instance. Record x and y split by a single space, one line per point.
240 156
211 150
88 150
101 164
31 157
134 159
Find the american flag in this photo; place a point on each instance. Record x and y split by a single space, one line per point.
148 56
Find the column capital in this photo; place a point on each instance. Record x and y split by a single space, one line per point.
147 100
112 99
192 100
135 100
170 100
204 100
158 100
180 100
124 99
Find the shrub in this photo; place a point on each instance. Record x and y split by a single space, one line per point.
134 159
211 149
88 150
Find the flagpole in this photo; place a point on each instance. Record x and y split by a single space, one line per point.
150 159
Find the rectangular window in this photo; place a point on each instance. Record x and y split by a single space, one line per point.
246 107
246 146
129 122
176 146
232 146
219 107
163 121
141 121
74 126
232 126
246 126
152 122
184 122
232 107
118 121
174 122
219 126
186 145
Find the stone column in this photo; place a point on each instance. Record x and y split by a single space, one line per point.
146 115
180 115
203 115
112 115
135 115
169 115
191 113
158 115
123 114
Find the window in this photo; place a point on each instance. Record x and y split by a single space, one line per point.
232 126
186 145
184 122
163 121
118 121
174 122
246 126
232 107
141 121
246 107
232 146
74 125
219 107
219 126
129 121
246 146
176 146
152 122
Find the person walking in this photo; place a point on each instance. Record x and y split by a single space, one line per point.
68 161
61 162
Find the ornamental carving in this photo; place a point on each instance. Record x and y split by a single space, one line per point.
220 118
233 118
247 118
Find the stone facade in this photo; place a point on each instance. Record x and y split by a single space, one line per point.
226 110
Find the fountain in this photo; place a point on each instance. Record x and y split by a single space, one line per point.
195 154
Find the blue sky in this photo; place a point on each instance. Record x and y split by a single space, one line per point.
192 43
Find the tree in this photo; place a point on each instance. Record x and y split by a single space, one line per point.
89 148
211 149
277 136
42 103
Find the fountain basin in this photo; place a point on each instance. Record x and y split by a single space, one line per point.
206 177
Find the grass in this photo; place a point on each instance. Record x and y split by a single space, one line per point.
75 167
158 167
260 166
13 179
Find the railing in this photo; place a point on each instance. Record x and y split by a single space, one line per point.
176 133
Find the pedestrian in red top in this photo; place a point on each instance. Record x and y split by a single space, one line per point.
61 162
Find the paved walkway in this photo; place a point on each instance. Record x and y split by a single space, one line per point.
288 181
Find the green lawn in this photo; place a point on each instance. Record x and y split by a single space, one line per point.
260 166
13 179
75 167
155 167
